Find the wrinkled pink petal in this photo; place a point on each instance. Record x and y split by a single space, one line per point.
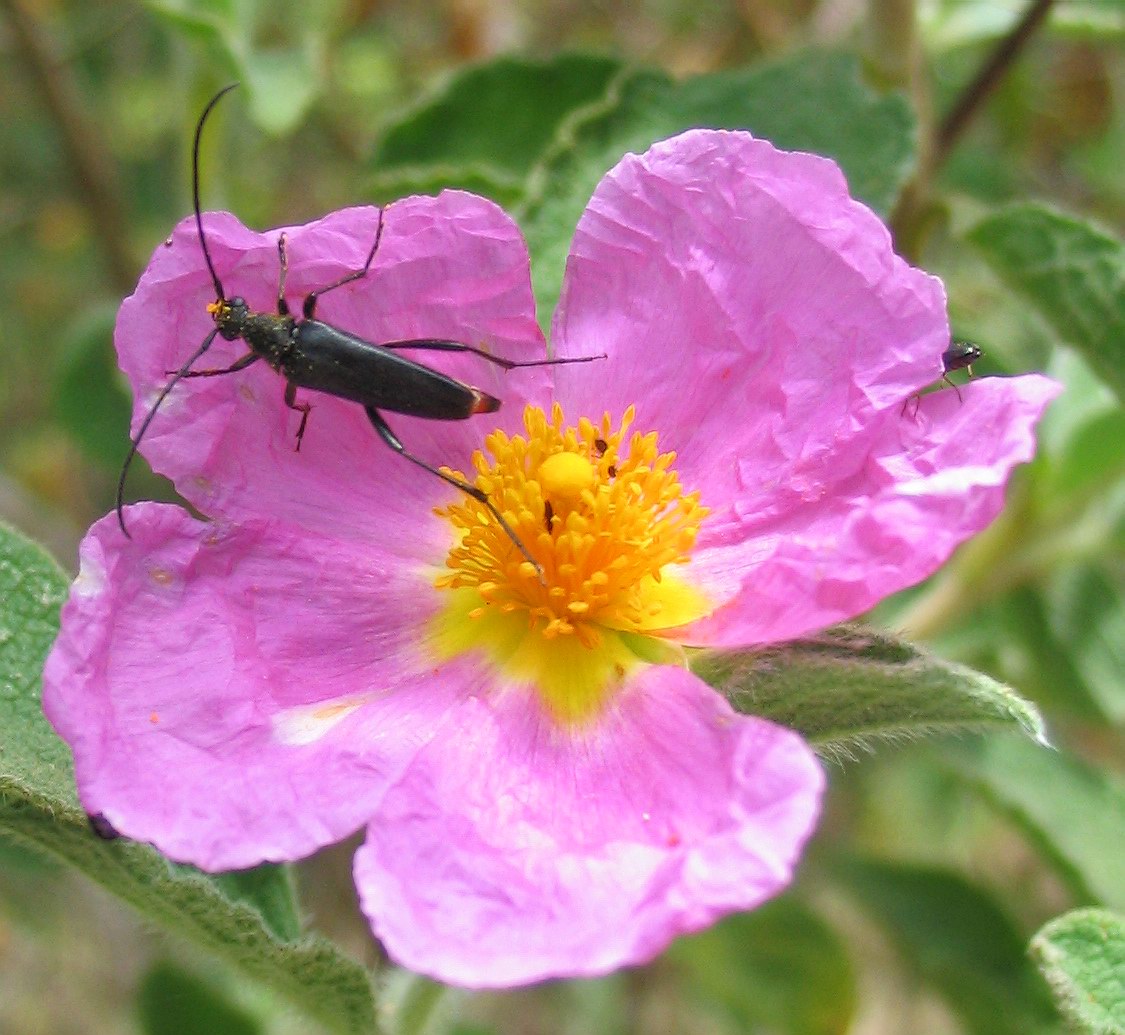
512 851
759 320
238 694
928 483
453 267
749 307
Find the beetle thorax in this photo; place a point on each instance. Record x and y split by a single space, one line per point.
270 335
267 334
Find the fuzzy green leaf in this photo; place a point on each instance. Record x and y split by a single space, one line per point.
89 395
849 687
175 1001
487 125
1082 956
779 968
282 80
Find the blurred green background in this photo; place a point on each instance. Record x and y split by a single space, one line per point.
935 862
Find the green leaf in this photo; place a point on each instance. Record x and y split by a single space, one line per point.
487 125
1086 609
1019 635
410 1004
206 19
850 687
779 968
1071 271
1082 956
89 398
871 136
218 26
282 84
282 80
1073 812
1094 458
271 891
39 809
1085 400
174 1001
956 938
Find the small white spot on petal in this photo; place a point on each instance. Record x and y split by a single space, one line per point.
308 722
952 482
91 579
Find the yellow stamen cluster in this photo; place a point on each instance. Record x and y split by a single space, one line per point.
603 514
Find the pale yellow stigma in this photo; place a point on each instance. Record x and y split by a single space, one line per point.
605 517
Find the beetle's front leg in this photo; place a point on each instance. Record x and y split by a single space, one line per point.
239 364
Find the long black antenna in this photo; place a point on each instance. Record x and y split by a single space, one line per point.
180 374
195 187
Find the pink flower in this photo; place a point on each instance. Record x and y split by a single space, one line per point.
547 788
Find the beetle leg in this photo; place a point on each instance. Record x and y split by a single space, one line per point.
283 269
392 440
238 364
302 408
436 345
309 308
952 384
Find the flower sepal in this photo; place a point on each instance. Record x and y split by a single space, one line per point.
850 686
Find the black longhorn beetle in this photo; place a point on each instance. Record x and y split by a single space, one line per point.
309 353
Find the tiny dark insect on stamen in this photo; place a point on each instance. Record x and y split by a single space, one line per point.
601 447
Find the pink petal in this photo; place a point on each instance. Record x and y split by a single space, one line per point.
760 321
512 851
453 267
926 484
750 307
238 694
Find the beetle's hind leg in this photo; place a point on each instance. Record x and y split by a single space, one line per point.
479 495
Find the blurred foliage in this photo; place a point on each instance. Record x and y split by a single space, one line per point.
935 867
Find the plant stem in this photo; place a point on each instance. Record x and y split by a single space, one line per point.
90 163
987 79
913 215
892 47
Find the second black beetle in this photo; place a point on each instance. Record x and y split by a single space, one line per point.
961 355
312 354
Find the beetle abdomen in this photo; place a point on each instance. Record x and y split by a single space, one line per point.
327 359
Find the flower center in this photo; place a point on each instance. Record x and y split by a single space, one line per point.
603 513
